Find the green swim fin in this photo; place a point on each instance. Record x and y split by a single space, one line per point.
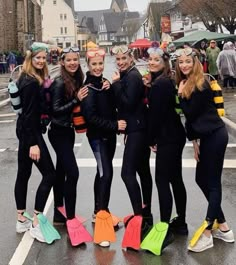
155 238
50 234
25 214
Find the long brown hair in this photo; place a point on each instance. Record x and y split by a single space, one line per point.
166 72
194 81
30 70
72 83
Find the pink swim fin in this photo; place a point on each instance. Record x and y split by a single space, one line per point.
77 232
132 236
62 210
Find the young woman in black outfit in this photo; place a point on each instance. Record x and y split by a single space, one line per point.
166 136
129 92
32 148
210 138
99 111
64 97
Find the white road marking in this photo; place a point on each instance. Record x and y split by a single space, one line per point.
191 145
119 144
23 248
117 162
7 115
2 150
4 102
6 121
77 144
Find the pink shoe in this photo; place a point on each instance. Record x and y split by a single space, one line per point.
62 210
77 232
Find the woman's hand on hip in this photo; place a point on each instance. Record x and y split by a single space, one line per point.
122 125
34 153
196 150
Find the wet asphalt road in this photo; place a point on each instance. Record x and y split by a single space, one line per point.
61 252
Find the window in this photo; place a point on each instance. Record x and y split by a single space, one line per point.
68 44
65 16
54 2
65 30
61 30
61 16
112 36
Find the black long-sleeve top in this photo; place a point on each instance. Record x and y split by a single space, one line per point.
62 106
164 124
201 113
130 92
99 109
28 123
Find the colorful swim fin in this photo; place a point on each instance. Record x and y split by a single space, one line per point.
198 233
25 214
155 238
104 230
127 219
132 236
77 232
115 220
215 225
50 234
62 210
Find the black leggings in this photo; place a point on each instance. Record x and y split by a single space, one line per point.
103 150
136 160
62 140
169 171
46 168
209 171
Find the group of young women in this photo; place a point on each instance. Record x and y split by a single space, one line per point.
120 108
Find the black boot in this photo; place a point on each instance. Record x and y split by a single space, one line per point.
178 226
58 218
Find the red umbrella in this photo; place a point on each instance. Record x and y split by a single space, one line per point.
141 43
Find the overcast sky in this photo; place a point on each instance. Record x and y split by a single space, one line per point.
133 5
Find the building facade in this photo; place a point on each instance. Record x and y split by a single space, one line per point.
20 24
58 23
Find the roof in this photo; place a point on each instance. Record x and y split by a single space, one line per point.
129 22
121 4
90 19
159 8
202 34
114 21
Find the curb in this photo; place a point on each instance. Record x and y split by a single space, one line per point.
231 126
4 102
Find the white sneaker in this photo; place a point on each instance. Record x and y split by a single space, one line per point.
104 244
22 227
93 218
202 244
36 233
227 237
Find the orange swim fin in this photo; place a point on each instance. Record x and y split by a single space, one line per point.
104 230
132 236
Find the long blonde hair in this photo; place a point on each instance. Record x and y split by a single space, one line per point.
30 70
194 81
